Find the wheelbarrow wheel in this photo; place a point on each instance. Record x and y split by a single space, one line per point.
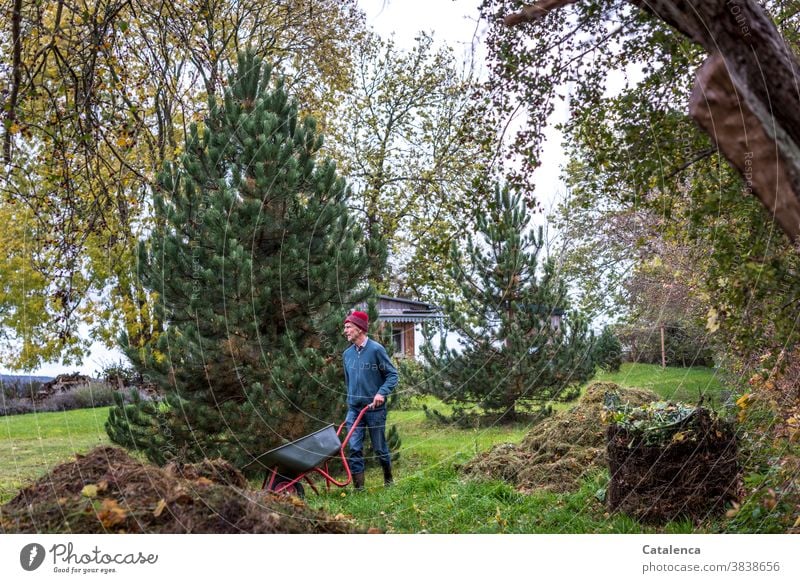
295 489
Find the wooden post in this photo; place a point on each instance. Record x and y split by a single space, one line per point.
663 352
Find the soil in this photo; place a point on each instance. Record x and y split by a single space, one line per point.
108 491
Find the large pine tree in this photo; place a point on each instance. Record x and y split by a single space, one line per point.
512 350
254 261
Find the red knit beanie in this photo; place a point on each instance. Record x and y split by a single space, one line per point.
359 319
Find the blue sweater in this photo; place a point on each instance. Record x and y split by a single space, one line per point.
367 373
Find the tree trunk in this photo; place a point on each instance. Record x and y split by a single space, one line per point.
757 104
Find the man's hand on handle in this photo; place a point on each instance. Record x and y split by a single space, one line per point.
377 401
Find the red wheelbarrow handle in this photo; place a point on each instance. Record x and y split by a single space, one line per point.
344 445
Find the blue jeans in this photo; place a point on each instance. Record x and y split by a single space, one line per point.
375 422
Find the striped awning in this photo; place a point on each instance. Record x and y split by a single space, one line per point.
410 317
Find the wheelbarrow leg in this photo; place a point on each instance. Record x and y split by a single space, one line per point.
269 477
311 483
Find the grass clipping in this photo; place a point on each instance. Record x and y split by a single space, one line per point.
107 491
561 450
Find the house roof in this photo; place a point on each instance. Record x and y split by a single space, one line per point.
403 310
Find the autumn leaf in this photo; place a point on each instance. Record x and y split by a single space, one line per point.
90 491
111 514
160 507
678 437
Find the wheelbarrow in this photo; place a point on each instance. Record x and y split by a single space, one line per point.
289 464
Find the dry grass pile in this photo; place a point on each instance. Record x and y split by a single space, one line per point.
107 491
561 450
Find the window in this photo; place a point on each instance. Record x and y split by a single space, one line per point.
397 340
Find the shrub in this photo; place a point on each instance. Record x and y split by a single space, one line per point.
86 397
684 345
411 385
608 351
120 372
15 406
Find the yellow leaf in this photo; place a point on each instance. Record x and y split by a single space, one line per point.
89 490
712 322
797 522
160 507
678 437
111 513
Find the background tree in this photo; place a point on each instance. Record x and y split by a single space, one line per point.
512 352
413 143
255 261
642 152
608 351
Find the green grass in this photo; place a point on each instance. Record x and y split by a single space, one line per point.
32 444
673 384
438 500
429 495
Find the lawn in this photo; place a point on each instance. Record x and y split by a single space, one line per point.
31 444
673 384
429 494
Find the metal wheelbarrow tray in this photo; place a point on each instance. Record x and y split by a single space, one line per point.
304 454
288 464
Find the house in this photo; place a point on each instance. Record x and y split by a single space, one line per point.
403 315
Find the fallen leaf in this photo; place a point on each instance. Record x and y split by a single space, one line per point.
111 513
89 490
678 437
162 504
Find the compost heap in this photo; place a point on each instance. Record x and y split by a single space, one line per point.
669 460
561 450
107 491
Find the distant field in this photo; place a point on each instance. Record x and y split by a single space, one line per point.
32 444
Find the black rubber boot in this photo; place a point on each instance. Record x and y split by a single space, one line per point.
358 481
388 480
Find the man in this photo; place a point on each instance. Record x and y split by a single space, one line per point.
370 377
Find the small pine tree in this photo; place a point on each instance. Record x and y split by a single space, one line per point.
254 261
608 351
512 349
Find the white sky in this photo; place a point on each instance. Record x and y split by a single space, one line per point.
454 22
